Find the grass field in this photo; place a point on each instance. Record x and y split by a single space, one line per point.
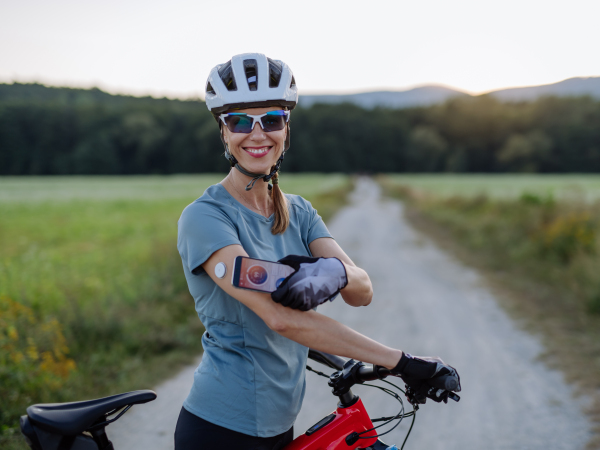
93 300
538 240
504 186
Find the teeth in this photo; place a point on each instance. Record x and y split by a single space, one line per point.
257 150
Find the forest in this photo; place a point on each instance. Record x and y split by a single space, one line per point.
59 131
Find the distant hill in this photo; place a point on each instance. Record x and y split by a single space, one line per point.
430 95
567 88
421 96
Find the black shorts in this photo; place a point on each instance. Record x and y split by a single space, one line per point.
194 433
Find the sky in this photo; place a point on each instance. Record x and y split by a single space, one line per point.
167 48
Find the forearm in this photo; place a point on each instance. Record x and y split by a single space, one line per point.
308 328
359 291
322 333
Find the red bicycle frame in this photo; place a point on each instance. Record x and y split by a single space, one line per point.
348 427
330 433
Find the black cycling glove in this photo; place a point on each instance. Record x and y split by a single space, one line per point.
427 377
314 281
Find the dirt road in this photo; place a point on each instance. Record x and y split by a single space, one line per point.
427 304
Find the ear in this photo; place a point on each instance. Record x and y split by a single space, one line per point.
225 136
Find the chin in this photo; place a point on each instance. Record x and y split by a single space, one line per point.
258 167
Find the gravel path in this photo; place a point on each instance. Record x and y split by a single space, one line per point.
428 304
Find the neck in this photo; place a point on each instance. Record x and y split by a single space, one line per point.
258 197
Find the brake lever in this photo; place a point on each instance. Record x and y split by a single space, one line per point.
412 398
454 397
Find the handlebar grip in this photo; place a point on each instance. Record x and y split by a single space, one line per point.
446 382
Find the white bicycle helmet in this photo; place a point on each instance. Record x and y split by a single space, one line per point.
251 80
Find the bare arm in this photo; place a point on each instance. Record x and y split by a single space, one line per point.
359 291
309 328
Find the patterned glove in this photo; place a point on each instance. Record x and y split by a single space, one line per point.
314 281
427 377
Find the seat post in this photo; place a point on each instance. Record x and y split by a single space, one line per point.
100 437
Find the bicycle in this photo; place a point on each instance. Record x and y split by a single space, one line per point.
82 425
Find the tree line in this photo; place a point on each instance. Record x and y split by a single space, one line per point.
58 131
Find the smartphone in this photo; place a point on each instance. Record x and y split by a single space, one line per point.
258 275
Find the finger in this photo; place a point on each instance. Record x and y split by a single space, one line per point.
455 373
295 260
438 395
282 294
298 302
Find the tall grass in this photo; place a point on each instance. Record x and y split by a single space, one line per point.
555 240
540 249
93 300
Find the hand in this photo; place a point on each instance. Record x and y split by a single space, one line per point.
314 281
427 377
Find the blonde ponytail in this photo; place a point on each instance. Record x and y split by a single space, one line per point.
282 214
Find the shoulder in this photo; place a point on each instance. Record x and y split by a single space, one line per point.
214 202
299 203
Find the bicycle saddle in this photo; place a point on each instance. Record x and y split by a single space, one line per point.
72 418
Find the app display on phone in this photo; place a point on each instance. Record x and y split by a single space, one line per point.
261 275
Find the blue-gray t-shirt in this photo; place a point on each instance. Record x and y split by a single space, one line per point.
251 379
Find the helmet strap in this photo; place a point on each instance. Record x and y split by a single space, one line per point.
256 176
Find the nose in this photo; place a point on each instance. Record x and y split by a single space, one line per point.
257 132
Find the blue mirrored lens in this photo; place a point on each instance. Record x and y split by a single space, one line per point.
273 122
239 123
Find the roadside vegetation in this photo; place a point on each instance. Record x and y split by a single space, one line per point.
538 240
93 300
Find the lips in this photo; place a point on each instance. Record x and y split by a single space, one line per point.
257 152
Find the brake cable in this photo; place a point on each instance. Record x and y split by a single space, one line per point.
401 415
413 413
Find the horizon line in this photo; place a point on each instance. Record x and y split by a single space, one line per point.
198 96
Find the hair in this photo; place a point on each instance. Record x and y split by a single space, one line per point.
282 213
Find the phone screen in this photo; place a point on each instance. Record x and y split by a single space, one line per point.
259 275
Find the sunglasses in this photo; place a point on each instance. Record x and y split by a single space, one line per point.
244 123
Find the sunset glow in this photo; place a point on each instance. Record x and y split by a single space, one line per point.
167 48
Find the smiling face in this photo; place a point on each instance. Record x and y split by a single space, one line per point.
257 151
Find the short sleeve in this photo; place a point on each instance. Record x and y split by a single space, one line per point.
202 230
316 226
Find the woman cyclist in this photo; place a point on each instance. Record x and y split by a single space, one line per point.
250 384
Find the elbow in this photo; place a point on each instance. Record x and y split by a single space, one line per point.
279 326
368 298
356 299
280 320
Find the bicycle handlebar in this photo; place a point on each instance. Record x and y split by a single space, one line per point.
335 362
365 372
368 372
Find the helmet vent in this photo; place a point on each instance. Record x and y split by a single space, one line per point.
293 83
251 69
226 74
209 89
274 73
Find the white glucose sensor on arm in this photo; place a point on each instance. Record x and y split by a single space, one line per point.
220 270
